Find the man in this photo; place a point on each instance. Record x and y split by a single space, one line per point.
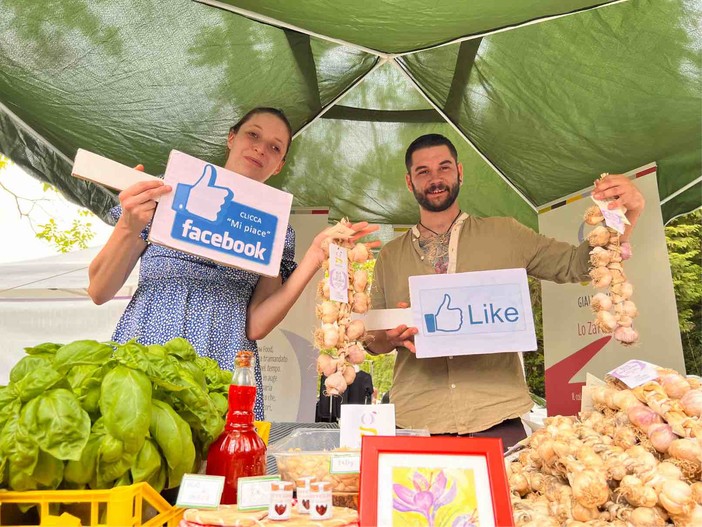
360 391
481 395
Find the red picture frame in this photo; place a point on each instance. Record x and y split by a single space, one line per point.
388 462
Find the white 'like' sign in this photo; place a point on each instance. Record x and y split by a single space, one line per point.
472 313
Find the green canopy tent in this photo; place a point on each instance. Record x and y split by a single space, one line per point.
539 96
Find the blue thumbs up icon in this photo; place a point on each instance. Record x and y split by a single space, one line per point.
446 319
204 199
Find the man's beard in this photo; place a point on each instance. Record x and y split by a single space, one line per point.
423 198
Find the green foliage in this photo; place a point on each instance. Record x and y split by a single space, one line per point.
62 238
91 414
65 240
683 237
381 368
534 360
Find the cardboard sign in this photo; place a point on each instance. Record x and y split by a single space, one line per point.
200 492
635 372
358 420
106 172
472 313
222 216
254 493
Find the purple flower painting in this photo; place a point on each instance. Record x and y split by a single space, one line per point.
433 496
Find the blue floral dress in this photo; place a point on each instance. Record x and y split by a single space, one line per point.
180 295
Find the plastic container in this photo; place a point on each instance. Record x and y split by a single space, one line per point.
315 452
114 507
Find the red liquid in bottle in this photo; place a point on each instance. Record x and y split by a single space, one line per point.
239 452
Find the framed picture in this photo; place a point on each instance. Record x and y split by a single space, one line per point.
433 482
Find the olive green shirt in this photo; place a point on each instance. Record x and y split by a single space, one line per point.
467 393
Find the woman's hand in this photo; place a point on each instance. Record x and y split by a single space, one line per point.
139 202
361 229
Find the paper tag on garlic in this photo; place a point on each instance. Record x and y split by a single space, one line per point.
338 273
634 373
616 219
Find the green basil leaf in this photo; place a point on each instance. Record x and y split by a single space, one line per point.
27 365
57 423
181 348
82 352
147 466
47 348
83 470
125 405
38 381
173 436
48 472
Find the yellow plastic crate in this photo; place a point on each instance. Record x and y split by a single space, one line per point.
118 507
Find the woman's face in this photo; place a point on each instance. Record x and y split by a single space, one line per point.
258 148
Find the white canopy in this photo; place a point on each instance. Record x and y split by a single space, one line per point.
46 300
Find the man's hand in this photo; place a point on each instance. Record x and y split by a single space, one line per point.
402 335
623 191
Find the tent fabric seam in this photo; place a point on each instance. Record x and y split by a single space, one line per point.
333 102
508 28
284 25
40 138
681 190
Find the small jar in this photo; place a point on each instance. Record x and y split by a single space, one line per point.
303 493
280 505
321 501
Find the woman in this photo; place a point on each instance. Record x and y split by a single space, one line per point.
219 309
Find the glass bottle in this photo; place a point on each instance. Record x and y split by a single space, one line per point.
239 452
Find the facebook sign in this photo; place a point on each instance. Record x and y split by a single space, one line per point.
469 313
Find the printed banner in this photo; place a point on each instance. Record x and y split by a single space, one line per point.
288 358
470 313
573 345
220 215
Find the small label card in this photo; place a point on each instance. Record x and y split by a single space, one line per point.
254 493
198 491
345 464
614 218
634 373
358 420
338 273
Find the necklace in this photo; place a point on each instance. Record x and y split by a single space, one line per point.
447 230
435 248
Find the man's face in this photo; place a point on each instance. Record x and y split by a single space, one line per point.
434 178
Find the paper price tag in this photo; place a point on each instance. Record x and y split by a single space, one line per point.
338 273
613 218
254 493
200 492
345 464
634 373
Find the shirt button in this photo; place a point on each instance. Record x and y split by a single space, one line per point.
422 258
453 386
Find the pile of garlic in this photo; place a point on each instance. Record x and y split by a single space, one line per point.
340 339
633 461
615 312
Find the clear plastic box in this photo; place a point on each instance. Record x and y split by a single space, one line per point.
316 452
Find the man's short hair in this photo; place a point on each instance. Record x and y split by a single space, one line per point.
427 141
